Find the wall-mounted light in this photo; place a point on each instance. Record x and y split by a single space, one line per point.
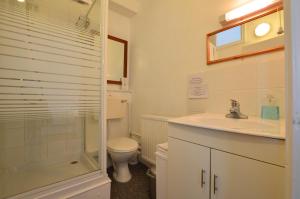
248 8
262 29
21 1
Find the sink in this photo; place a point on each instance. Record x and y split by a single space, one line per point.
251 126
237 124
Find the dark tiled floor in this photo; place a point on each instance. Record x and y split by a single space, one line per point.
136 188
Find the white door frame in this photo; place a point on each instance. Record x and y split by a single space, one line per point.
292 8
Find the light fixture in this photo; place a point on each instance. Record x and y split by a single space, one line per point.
248 8
280 29
262 29
21 1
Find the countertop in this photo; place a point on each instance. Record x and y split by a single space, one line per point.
252 126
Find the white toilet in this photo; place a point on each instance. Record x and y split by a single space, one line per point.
121 151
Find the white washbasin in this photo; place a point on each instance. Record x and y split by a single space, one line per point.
251 126
236 124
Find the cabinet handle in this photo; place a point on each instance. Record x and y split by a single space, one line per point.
215 184
202 178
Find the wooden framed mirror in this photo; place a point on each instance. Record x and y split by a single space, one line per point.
262 33
117 52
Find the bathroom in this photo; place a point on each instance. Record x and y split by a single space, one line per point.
90 88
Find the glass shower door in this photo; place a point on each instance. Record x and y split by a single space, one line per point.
50 92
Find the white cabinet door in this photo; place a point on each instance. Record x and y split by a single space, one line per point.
235 177
188 170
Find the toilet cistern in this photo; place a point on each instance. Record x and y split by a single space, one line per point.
235 111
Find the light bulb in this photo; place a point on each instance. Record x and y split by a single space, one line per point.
262 29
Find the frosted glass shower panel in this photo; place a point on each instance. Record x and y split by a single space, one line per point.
50 81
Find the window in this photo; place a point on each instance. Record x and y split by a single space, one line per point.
229 36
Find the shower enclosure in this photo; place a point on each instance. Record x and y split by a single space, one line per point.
51 97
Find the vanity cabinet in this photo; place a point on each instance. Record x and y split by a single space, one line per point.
236 177
209 164
188 171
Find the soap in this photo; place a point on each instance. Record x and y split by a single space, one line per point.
270 112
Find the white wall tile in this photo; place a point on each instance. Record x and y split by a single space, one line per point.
219 101
271 72
248 101
12 157
12 138
74 146
40 142
35 153
56 150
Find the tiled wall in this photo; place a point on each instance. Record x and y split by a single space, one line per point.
40 142
248 81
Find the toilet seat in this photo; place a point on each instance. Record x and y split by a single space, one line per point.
122 145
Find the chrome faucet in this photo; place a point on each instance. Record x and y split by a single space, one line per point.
235 111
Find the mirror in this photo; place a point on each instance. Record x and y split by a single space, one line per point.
262 34
117 59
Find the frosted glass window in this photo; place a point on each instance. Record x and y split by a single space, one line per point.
229 36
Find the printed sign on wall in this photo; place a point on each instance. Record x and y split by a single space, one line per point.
197 88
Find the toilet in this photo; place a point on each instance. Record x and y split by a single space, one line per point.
121 151
120 148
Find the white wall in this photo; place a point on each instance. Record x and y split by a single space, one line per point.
119 26
127 7
168 44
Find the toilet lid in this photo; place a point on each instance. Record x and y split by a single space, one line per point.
122 144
